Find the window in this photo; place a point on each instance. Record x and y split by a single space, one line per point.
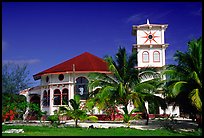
48 98
57 97
145 56
61 77
61 98
81 87
156 56
45 102
47 79
65 97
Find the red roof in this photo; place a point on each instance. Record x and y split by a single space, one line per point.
83 63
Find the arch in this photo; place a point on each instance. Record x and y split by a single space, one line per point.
35 99
81 87
46 98
57 97
65 96
156 56
32 115
145 56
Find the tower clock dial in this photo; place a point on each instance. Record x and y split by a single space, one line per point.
150 37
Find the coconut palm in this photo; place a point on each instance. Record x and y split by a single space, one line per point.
184 80
123 85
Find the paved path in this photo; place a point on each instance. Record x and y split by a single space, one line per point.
177 124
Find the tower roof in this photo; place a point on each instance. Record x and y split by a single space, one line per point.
148 26
82 63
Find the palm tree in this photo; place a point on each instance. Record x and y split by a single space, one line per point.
123 85
74 111
184 80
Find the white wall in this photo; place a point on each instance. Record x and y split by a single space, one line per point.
141 34
151 62
55 83
170 110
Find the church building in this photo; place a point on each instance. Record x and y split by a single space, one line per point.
61 82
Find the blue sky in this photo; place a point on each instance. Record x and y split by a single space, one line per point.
43 34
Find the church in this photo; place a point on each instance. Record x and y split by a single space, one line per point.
61 82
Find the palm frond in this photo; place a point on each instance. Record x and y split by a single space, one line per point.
177 87
121 90
195 98
144 87
137 101
195 77
74 104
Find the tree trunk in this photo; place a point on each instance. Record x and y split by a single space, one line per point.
199 120
146 115
76 122
113 114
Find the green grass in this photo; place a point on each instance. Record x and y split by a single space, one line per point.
71 131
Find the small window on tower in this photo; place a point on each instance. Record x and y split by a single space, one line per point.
156 56
145 56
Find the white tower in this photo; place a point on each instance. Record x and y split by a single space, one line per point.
150 44
150 47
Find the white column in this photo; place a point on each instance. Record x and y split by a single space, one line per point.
41 98
162 36
163 56
27 108
51 101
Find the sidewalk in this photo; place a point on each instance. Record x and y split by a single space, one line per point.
177 124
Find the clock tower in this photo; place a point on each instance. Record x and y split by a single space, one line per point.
150 44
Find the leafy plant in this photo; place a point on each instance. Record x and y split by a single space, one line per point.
74 111
184 80
125 84
53 118
92 118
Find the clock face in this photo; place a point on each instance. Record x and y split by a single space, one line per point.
150 37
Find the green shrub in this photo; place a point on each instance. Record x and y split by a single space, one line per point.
53 118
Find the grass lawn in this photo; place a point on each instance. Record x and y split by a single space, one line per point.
71 131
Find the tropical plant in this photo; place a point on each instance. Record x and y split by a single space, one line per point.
124 84
53 118
184 80
75 112
34 110
130 116
13 103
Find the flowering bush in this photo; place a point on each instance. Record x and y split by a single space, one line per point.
8 115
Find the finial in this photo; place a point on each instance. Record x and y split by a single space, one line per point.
148 21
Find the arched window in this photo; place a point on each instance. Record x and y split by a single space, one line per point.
81 87
48 98
47 79
45 98
156 56
65 97
57 97
145 56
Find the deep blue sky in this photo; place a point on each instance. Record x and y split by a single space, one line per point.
45 34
